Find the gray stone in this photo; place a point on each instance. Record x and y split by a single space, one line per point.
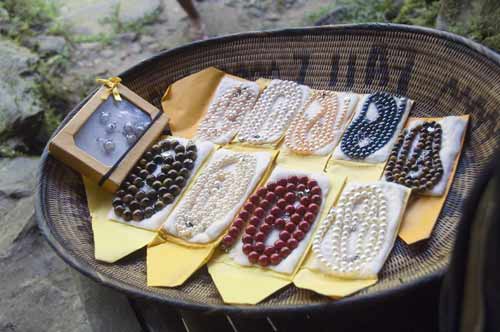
107 53
4 16
17 176
90 46
86 18
38 291
135 48
128 37
273 17
131 11
17 219
146 40
155 47
18 101
106 309
51 44
41 293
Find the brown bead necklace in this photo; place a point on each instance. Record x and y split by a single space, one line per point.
414 161
156 180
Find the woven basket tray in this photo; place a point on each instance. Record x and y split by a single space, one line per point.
445 75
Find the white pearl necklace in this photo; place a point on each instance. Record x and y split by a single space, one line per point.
225 114
272 113
354 231
216 191
307 135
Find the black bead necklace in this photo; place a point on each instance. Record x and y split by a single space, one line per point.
156 180
364 136
414 161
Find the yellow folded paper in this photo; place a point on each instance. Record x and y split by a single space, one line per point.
186 101
172 260
328 285
112 240
259 283
355 171
313 163
423 211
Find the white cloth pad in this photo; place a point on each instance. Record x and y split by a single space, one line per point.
396 196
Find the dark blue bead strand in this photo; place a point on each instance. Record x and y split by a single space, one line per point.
364 137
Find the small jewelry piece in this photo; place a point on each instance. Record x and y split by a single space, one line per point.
131 138
104 117
363 137
306 135
108 146
111 127
289 205
156 180
139 129
225 114
272 113
216 191
128 128
355 230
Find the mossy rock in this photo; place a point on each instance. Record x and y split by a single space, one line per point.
19 102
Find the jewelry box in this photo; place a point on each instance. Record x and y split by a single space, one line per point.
109 134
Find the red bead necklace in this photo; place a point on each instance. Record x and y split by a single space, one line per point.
289 205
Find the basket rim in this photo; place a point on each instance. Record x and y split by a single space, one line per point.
121 286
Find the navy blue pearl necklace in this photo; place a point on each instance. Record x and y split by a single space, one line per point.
363 136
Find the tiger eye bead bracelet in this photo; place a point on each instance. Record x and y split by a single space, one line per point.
156 180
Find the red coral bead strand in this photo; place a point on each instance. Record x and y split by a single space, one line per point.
289 205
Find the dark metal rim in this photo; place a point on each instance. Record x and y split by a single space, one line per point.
123 287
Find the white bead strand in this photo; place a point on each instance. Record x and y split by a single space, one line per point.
225 114
214 193
307 135
272 113
356 230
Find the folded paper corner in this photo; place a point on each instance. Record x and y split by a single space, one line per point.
113 241
328 285
171 264
243 285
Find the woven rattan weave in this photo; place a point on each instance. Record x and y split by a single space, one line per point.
443 73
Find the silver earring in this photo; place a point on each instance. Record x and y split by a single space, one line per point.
109 146
139 128
106 144
104 117
131 138
111 127
128 128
